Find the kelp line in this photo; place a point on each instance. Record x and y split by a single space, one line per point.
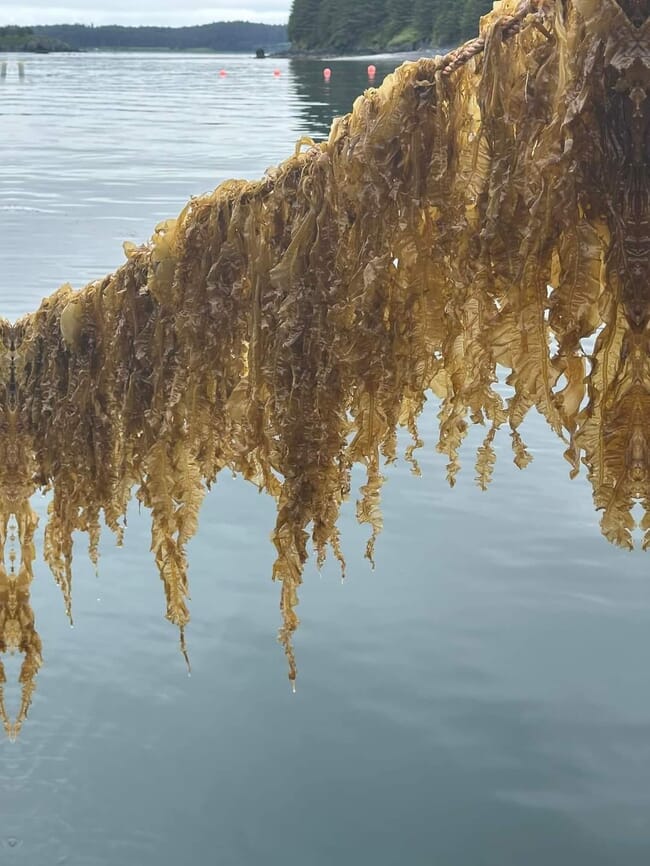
484 209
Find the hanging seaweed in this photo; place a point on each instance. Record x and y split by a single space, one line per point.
480 212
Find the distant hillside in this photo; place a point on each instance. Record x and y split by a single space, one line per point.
222 36
380 25
14 38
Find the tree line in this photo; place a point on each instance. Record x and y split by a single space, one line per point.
14 38
379 25
221 36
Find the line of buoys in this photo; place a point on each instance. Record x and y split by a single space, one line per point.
327 72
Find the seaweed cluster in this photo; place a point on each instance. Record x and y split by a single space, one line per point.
481 212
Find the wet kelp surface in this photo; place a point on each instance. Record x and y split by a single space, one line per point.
482 212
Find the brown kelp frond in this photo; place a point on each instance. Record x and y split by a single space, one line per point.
480 214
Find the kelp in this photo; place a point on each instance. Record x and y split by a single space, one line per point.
481 214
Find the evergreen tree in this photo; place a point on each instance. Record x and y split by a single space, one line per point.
472 12
423 18
303 22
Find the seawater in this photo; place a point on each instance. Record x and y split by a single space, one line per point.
480 699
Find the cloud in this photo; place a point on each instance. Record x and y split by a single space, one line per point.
153 12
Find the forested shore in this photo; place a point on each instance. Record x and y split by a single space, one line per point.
315 26
382 25
220 36
13 38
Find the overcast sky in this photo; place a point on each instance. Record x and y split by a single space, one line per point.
170 13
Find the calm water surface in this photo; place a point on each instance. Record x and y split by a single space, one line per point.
481 699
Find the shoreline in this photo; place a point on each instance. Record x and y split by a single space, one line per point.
406 53
429 51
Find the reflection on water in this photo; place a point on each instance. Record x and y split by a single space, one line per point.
488 674
17 625
320 100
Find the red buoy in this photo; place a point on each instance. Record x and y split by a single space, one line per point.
222 73
372 71
327 73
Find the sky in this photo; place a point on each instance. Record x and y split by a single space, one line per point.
169 13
